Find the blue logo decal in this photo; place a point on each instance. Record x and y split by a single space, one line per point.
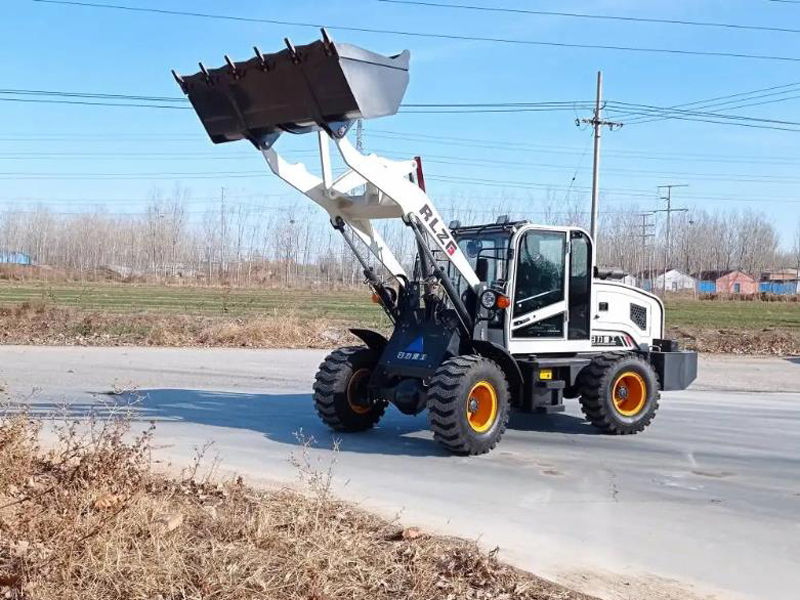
414 351
415 346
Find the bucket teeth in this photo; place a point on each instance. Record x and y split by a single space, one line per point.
292 50
231 66
326 39
204 71
261 60
179 80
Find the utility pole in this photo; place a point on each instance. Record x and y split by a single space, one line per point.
646 233
598 123
360 135
223 233
360 146
669 210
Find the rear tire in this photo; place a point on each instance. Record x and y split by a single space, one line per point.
340 390
619 393
468 404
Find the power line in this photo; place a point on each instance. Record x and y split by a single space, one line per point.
623 192
184 100
89 103
106 199
394 136
644 110
707 176
122 100
720 101
573 15
741 103
427 108
640 108
577 169
179 99
434 35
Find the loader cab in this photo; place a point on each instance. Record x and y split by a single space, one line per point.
550 283
547 274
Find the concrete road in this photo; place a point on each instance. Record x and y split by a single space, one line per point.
704 504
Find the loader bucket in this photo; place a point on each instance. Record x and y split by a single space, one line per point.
319 85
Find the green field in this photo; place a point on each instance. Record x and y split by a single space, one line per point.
353 306
350 306
733 314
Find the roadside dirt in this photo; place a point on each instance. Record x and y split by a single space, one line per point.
43 324
758 342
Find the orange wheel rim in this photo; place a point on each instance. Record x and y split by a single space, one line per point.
630 394
354 391
481 406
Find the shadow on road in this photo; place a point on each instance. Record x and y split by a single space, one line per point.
280 417
555 423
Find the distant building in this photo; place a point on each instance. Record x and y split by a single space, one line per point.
676 281
780 281
8 257
726 282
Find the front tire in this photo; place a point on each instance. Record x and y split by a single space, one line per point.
619 393
340 390
468 404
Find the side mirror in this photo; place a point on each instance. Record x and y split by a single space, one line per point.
482 268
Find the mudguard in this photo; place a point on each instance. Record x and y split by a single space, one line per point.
501 356
374 340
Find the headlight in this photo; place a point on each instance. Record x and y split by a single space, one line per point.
488 299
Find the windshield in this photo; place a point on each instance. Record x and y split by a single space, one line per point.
489 249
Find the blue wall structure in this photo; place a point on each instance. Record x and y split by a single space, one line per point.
14 258
707 287
787 288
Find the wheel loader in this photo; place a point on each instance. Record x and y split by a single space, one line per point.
494 317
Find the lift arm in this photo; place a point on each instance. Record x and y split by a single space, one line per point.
389 194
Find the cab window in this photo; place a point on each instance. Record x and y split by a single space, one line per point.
540 271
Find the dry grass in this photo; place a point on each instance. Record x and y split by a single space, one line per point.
766 341
45 324
90 519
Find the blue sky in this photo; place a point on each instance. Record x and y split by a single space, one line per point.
75 157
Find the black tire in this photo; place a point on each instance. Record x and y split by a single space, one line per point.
571 392
450 400
339 399
606 378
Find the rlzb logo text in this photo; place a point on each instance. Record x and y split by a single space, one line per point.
441 234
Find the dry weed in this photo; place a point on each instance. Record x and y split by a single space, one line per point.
763 342
45 324
88 518
278 330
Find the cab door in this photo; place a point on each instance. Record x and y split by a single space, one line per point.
541 287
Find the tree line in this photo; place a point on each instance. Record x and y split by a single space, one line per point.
293 245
